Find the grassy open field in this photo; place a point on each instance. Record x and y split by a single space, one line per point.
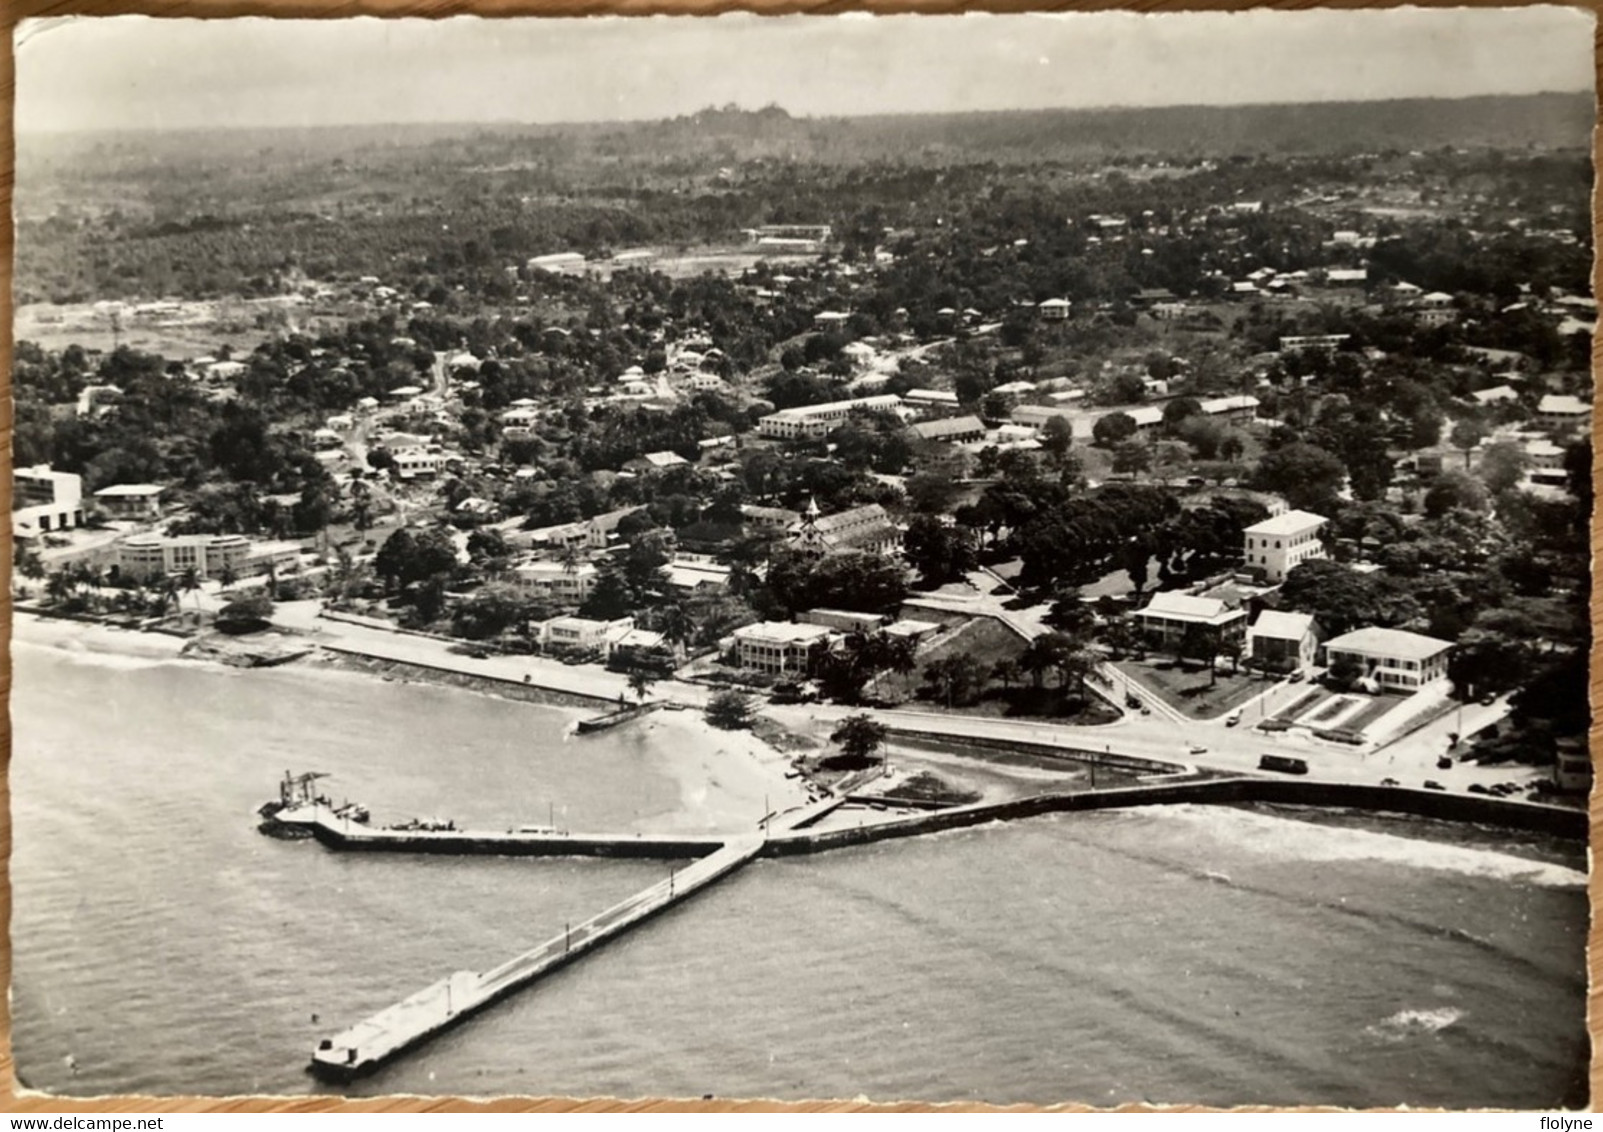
1191 689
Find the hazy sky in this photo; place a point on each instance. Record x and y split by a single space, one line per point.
138 72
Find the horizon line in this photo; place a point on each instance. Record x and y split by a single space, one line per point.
19 128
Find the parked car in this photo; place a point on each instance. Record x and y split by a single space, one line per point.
1390 782
1432 784
1444 763
1233 718
1197 749
1297 676
1482 788
1489 698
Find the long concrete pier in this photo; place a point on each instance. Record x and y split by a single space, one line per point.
397 1028
370 1043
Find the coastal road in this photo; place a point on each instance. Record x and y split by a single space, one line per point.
577 679
1228 749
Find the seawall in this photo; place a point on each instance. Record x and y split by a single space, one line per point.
1552 820
942 740
532 692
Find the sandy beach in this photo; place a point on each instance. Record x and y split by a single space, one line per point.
725 778
87 636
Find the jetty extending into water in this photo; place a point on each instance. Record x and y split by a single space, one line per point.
371 1043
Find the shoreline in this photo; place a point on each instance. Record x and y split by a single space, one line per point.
723 778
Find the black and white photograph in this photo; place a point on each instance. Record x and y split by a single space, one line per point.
1009 559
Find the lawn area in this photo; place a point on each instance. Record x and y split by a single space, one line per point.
1377 707
1190 689
984 640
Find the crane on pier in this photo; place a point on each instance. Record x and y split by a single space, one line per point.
298 790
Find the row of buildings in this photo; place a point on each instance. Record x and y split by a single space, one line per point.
1280 641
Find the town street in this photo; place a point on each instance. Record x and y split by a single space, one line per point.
1410 760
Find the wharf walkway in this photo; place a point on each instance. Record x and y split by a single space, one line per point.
397 1028
341 833
370 1043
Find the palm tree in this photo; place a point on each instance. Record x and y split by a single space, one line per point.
675 625
639 681
1006 670
227 576
58 587
189 582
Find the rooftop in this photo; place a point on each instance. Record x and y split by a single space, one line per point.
1563 403
783 631
1282 626
1185 607
130 491
1396 643
1287 523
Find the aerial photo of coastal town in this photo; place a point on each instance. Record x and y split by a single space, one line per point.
1018 559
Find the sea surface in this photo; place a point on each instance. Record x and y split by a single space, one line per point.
1190 954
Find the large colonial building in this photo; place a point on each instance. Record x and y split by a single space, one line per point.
1169 616
813 422
149 557
780 647
1274 546
1392 658
866 528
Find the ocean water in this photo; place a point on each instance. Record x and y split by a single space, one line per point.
1193 954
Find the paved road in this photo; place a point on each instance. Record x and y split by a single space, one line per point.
1229 749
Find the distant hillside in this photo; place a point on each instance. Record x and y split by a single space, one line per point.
1544 121
730 136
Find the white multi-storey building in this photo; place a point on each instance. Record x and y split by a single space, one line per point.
43 500
780 647
815 421
148 557
1274 546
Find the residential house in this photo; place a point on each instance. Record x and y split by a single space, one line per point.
1435 309
568 583
1393 659
769 518
655 462
1171 616
1347 276
1054 310
695 573
1497 395
1562 412
1283 642
570 634
416 463
133 501
1572 766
